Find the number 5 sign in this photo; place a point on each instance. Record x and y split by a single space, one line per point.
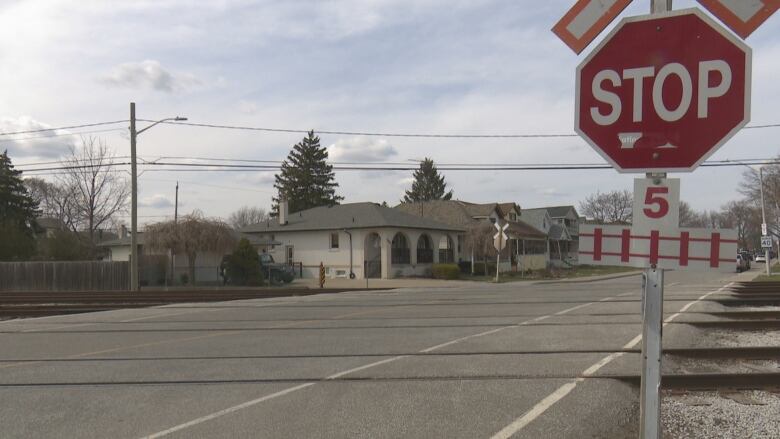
656 204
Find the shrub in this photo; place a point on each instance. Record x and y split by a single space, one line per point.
446 271
243 266
479 269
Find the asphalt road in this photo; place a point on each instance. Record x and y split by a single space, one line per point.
482 361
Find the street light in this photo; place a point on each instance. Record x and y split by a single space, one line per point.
134 198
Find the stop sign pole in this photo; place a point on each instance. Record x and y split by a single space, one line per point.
652 324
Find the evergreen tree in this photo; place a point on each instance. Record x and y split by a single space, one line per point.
306 179
17 214
428 184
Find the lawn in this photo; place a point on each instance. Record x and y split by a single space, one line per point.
775 277
558 273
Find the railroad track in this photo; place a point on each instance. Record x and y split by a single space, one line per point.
38 304
764 376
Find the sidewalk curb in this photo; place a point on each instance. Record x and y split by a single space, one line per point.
588 279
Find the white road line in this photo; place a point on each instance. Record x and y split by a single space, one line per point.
565 389
359 368
367 366
226 411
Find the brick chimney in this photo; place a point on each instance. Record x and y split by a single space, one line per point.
284 212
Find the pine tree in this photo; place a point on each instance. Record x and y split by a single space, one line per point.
428 184
306 179
17 214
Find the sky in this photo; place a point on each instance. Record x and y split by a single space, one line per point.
387 66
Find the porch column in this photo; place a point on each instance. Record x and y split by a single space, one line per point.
386 248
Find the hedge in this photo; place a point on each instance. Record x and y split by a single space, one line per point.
446 271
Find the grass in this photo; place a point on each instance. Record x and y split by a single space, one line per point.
775 277
558 273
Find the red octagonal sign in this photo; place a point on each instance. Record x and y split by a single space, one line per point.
662 93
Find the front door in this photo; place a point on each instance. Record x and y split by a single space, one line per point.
290 255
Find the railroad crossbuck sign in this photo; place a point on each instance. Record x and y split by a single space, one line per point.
655 239
742 16
500 238
663 92
585 20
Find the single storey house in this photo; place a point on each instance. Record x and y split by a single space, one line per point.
358 240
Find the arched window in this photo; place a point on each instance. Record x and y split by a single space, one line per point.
424 250
400 249
446 252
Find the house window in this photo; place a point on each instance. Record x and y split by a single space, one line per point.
512 216
399 253
334 240
290 254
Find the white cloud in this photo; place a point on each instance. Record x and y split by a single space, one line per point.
149 74
47 144
156 201
361 149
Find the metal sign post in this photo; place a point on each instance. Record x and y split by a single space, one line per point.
652 336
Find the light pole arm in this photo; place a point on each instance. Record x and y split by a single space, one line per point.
177 119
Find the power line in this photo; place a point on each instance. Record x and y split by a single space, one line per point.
48 136
407 135
41 130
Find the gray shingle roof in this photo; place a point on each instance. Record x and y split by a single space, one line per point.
561 211
534 217
350 216
450 212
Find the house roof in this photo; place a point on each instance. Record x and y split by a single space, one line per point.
505 208
559 233
50 223
534 217
521 230
350 216
450 212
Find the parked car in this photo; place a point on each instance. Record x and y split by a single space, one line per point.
761 258
741 263
277 272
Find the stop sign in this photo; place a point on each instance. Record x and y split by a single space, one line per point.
663 92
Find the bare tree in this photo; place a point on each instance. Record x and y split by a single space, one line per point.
247 216
191 235
745 217
54 201
689 217
479 242
97 192
609 207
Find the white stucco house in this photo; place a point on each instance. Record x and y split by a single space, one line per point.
360 240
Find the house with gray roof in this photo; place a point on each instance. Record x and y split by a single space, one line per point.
359 240
524 240
561 224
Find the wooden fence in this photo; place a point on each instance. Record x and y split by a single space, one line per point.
64 276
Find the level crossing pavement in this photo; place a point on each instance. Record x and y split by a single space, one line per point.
472 361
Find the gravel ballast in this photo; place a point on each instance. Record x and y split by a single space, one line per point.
708 415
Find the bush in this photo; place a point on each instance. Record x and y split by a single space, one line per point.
479 269
243 266
446 271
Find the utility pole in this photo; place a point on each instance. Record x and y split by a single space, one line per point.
175 221
134 196
176 206
133 204
763 218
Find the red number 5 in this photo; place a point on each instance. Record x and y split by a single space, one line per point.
653 197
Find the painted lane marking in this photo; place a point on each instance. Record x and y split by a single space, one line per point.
227 411
565 389
364 367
